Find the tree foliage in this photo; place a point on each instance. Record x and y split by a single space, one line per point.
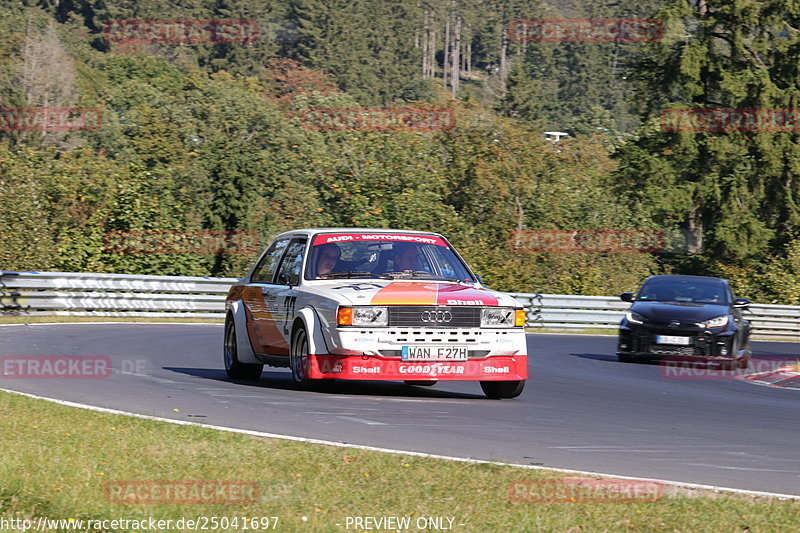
212 137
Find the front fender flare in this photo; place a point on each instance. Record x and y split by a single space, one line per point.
316 340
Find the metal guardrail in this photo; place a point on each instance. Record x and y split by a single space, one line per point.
104 295
558 311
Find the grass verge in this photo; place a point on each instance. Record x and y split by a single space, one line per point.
57 461
575 331
61 319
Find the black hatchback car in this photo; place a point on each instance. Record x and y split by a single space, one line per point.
687 318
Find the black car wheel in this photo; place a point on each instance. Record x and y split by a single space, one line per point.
233 367
626 358
298 357
497 390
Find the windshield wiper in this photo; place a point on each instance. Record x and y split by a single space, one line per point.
348 274
421 274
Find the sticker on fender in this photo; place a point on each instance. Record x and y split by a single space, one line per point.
434 353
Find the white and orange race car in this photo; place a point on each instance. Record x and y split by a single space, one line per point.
373 304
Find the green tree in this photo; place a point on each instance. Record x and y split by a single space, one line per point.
367 46
735 192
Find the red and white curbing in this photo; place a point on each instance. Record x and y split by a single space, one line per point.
785 377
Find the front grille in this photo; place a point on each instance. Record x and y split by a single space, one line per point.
682 351
646 344
437 316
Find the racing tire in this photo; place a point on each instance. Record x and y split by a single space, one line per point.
497 390
298 357
421 383
625 358
233 367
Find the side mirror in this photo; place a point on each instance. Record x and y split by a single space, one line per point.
626 296
480 279
284 279
741 303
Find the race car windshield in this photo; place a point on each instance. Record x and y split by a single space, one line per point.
683 291
391 256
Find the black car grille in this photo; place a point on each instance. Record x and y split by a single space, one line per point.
646 344
431 316
676 350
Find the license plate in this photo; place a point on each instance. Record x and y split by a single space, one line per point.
434 353
669 339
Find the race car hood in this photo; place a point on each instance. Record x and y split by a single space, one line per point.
416 292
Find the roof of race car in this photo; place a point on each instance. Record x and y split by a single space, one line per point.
312 231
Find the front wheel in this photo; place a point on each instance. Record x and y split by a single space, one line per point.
497 390
233 367
298 357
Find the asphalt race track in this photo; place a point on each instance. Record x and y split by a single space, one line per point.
581 409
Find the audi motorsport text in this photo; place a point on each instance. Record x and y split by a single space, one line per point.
373 304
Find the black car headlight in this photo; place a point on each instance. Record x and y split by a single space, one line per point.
718 322
634 318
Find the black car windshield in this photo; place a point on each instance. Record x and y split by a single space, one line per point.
384 255
692 291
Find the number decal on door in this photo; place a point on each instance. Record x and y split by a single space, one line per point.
289 304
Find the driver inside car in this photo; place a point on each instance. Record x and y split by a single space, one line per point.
406 257
327 257
708 294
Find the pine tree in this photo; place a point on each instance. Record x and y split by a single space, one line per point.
736 193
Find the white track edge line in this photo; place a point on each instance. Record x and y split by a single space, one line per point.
400 452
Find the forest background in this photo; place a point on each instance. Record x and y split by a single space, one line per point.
210 136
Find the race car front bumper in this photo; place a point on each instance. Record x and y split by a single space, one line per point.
368 367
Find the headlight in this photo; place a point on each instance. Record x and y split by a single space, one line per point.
498 317
634 318
362 316
714 322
